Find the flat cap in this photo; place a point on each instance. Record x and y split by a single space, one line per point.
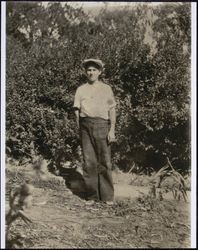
97 62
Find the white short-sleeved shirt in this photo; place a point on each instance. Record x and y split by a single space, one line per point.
94 100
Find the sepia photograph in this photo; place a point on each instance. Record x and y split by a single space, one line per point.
98 125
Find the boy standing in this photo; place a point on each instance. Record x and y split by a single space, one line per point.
94 105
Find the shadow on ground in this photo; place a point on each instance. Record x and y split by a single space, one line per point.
73 180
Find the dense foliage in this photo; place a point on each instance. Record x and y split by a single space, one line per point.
146 50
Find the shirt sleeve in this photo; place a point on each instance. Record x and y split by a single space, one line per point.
111 100
77 99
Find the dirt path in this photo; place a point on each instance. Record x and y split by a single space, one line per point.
63 220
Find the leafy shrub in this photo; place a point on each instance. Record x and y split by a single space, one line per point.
146 51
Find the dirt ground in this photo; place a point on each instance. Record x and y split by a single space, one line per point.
61 219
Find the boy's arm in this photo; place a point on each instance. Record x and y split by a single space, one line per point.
112 117
77 117
76 106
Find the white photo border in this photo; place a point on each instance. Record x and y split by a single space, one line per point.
193 121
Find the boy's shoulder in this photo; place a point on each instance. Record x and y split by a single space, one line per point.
106 85
82 86
86 86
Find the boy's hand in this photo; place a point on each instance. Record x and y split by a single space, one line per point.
111 136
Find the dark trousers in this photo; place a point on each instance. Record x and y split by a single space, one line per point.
97 159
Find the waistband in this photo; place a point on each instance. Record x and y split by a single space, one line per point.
94 120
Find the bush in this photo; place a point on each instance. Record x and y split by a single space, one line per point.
146 51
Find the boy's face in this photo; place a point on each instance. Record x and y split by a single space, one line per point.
92 73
